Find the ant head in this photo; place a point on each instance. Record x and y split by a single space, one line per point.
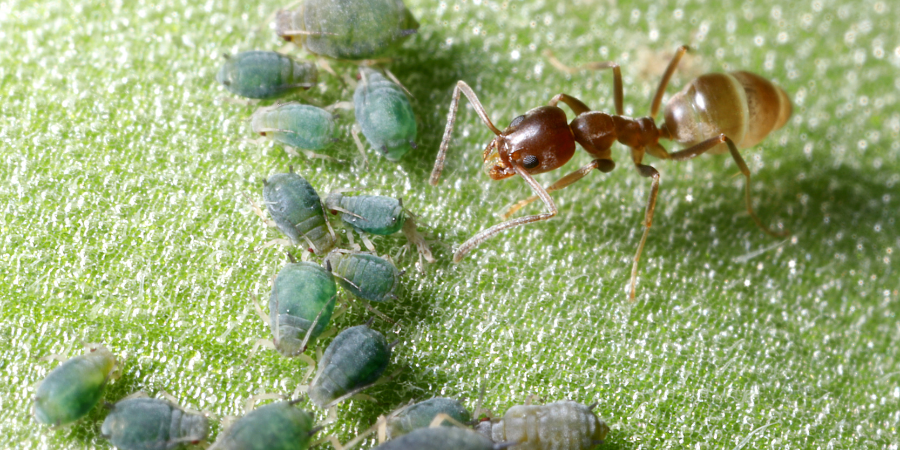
539 141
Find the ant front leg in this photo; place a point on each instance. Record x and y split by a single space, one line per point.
603 165
464 88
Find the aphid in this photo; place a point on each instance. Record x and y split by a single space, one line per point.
152 424
303 294
347 29
564 425
295 125
714 113
420 415
72 389
297 211
259 74
365 275
384 114
440 438
354 361
275 426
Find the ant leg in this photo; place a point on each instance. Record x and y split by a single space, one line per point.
702 147
661 89
484 235
461 86
647 172
618 95
603 165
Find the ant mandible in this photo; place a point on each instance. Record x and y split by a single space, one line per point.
712 110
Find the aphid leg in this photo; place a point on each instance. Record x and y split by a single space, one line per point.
325 65
366 242
142 394
354 131
461 86
702 147
342 210
530 398
391 77
315 322
484 235
251 402
415 238
274 242
618 95
603 165
647 172
382 428
443 417
667 75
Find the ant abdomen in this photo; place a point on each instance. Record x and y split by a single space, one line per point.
741 105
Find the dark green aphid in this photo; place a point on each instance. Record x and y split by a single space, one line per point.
295 125
375 214
440 438
347 29
152 424
384 114
354 361
297 211
365 275
259 74
74 388
303 293
420 415
276 426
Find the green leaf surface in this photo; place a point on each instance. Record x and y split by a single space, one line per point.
123 221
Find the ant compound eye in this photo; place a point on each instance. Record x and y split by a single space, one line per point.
530 162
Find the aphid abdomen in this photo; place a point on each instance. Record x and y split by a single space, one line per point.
152 424
562 425
421 414
375 214
296 125
300 293
356 358
743 106
365 275
276 426
73 388
261 74
439 438
384 114
297 211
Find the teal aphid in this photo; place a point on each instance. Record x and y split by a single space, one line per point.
421 414
355 360
276 426
295 125
259 74
441 438
297 211
152 424
302 292
374 214
365 275
347 29
71 390
384 114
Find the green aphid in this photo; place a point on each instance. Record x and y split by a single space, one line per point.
297 211
259 74
347 29
152 424
441 438
276 426
365 275
71 390
384 114
296 125
374 214
564 424
420 415
303 293
354 361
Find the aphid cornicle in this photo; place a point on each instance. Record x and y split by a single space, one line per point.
297 211
564 425
262 75
420 415
375 214
296 125
276 426
72 389
303 293
384 114
152 424
347 29
714 113
365 275
353 361
440 438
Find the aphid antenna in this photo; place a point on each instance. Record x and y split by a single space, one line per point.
315 323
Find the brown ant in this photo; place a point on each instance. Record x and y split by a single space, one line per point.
714 113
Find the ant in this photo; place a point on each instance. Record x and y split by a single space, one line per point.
715 113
